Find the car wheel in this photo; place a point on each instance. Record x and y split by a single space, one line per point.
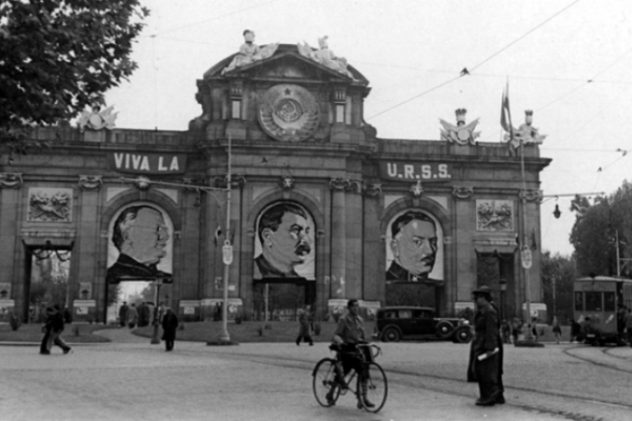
444 330
463 335
391 334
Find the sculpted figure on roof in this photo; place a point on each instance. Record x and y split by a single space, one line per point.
249 52
324 56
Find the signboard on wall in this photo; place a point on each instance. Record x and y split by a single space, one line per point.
413 171
147 163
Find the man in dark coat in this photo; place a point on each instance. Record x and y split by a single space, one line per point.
485 364
304 317
169 325
53 328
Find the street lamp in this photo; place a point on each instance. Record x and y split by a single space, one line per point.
155 339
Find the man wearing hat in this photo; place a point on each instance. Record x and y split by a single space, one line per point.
485 363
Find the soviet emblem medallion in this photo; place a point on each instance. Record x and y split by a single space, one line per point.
289 113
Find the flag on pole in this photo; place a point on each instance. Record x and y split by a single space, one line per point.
505 113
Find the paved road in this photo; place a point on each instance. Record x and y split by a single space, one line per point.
129 379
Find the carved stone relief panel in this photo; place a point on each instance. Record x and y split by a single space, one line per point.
49 204
494 215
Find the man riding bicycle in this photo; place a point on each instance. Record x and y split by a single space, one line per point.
349 334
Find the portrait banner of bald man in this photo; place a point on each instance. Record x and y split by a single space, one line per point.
414 248
141 244
284 243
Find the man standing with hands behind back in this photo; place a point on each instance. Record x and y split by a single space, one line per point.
484 366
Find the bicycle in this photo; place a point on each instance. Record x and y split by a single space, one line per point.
328 370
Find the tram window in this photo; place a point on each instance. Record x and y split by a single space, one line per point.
608 298
593 301
579 301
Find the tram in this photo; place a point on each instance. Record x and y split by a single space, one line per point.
595 304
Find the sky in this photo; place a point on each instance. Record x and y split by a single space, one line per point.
566 60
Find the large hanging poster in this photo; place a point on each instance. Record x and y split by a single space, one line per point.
140 244
284 243
414 251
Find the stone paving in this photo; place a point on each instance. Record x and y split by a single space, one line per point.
129 379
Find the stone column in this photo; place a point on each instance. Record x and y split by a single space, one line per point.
338 237
87 240
374 286
10 193
354 218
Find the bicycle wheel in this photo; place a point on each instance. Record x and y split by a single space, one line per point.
376 388
323 380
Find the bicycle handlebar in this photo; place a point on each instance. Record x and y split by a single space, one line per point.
373 348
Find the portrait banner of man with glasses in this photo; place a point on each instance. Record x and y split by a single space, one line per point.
141 244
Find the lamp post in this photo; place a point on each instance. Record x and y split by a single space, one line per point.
227 255
157 284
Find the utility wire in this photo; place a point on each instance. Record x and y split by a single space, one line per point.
434 88
587 81
525 34
177 28
466 72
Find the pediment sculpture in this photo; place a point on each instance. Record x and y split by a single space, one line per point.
249 52
526 133
96 119
324 56
462 133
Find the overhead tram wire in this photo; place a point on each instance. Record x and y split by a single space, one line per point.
188 25
465 71
544 22
586 82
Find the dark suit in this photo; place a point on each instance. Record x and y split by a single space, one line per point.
396 272
486 339
169 325
264 269
127 268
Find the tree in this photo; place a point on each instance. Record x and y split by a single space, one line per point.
58 57
558 274
600 228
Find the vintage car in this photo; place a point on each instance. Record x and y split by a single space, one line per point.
410 322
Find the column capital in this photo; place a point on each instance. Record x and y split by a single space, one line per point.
11 180
531 195
339 184
372 190
462 192
90 182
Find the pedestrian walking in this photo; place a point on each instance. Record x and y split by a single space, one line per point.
516 327
485 364
132 316
304 322
123 310
628 326
575 331
169 325
55 322
622 312
46 330
557 330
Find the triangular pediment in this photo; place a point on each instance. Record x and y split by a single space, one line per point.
285 63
